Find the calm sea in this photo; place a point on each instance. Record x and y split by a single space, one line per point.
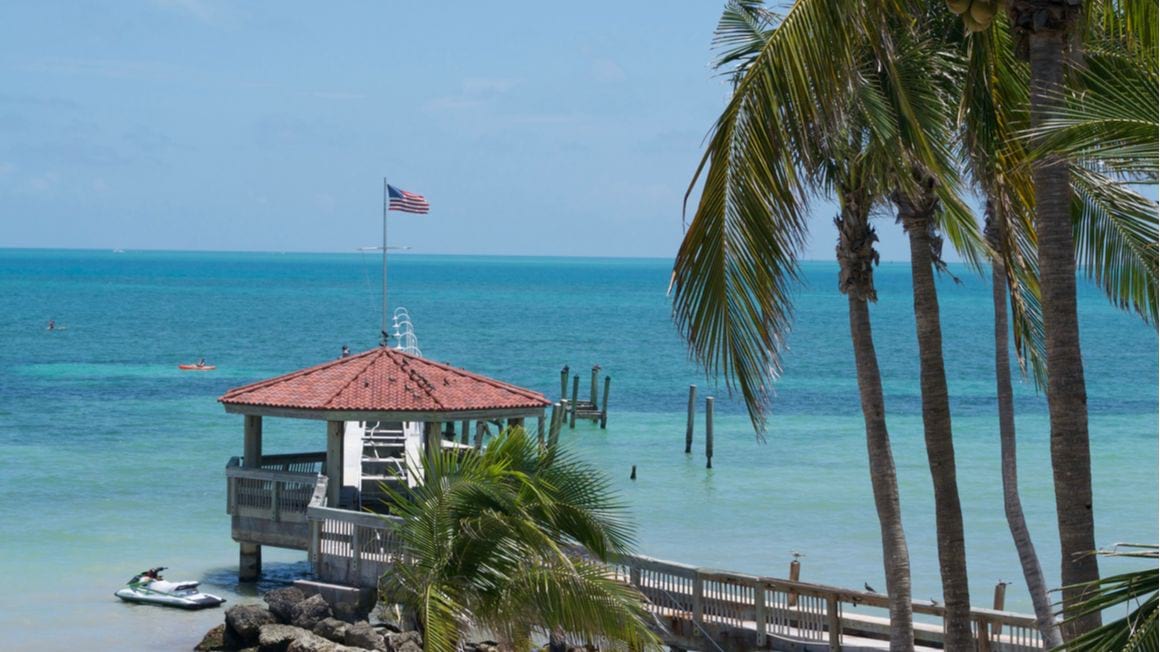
113 460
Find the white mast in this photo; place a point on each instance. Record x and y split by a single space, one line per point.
386 204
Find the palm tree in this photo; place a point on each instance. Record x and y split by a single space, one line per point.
1044 30
838 96
505 540
856 261
1111 230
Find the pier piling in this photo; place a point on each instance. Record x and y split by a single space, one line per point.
595 380
1000 598
557 420
709 432
795 571
575 399
632 476
564 382
692 415
604 403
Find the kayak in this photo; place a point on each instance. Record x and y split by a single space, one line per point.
196 367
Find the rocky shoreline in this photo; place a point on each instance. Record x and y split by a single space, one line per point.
291 621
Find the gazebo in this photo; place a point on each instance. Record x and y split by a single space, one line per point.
382 408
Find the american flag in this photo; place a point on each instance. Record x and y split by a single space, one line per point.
408 202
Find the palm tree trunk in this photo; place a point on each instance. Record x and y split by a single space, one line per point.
856 257
916 215
1066 390
1012 505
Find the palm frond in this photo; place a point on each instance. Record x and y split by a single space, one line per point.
1112 120
487 534
1137 592
1116 241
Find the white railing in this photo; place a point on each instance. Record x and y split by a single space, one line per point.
723 602
357 549
350 548
278 490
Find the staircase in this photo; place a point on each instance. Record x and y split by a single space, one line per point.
383 460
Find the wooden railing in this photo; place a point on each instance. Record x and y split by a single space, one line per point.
268 504
350 548
746 608
692 605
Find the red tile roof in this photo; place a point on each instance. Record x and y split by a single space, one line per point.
384 380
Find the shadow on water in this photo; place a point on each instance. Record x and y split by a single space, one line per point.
275 575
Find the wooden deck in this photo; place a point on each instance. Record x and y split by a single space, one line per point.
693 608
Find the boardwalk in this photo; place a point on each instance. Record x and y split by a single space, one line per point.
692 608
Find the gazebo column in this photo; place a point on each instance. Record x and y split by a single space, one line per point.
335 434
464 434
250 554
516 422
432 436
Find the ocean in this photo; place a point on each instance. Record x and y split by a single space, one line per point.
113 460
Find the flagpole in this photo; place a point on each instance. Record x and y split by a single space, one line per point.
383 338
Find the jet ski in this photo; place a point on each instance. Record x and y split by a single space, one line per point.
150 588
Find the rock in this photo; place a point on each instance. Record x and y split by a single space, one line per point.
310 611
332 629
412 647
278 637
364 636
349 612
244 621
284 602
213 640
405 642
315 643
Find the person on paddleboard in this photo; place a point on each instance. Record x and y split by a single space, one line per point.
52 324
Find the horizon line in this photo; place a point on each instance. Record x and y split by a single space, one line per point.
356 251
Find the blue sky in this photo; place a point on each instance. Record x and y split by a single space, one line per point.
532 128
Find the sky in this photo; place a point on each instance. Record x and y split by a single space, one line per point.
532 128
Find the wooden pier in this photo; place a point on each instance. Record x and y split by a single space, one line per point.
692 608
577 408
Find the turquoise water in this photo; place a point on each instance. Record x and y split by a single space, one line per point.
113 460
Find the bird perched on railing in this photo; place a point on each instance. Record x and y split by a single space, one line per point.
869 588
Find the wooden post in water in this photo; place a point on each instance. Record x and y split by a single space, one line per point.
604 403
540 429
692 415
595 378
575 396
795 572
709 432
632 476
564 382
1000 598
557 421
